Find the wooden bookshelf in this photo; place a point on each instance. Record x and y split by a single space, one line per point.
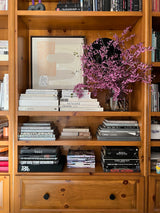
84 20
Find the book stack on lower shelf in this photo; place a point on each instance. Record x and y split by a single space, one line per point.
155 98
3 46
120 159
3 159
70 102
45 131
3 124
155 158
118 130
80 159
75 133
41 159
38 100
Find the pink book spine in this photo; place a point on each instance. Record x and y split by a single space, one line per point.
3 168
3 163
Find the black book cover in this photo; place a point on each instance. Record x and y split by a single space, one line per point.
106 5
135 5
43 168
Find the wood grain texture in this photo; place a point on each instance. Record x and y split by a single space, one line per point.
93 194
4 194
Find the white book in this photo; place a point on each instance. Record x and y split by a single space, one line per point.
121 121
53 103
36 124
76 99
37 108
6 92
36 139
79 103
40 91
80 109
28 95
69 133
37 98
35 128
2 95
74 129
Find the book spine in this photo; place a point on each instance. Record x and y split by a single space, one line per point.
3 168
3 163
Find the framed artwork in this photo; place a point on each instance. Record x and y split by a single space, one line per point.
56 62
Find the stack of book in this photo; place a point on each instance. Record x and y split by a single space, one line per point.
118 130
120 159
75 133
156 5
41 159
70 102
155 157
99 5
80 159
4 93
155 98
3 123
38 100
155 130
3 4
3 159
3 49
45 131
156 46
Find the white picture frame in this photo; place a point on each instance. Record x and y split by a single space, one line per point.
56 62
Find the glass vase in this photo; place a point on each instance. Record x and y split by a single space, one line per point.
118 104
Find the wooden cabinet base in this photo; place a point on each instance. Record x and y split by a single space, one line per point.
4 194
79 194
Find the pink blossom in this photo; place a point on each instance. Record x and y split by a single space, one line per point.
114 72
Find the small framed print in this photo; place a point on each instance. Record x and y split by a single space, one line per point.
56 62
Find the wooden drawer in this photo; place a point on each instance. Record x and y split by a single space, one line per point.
79 193
154 194
4 194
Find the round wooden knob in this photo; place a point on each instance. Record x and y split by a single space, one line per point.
112 197
46 196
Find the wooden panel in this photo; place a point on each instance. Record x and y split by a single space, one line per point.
84 20
4 194
154 194
79 193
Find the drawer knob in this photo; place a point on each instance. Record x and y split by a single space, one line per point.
112 197
46 196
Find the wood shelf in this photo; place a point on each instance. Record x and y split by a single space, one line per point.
3 19
155 114
4 113
4 142
83 20
156 64
4 63
80 171
79 143
155 143
76 113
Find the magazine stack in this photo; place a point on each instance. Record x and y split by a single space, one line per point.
3 4
3 159
38 100
70 102
75 133
45 131
3 49
80 159
3 123
118 130
41 159
155 158
120 159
